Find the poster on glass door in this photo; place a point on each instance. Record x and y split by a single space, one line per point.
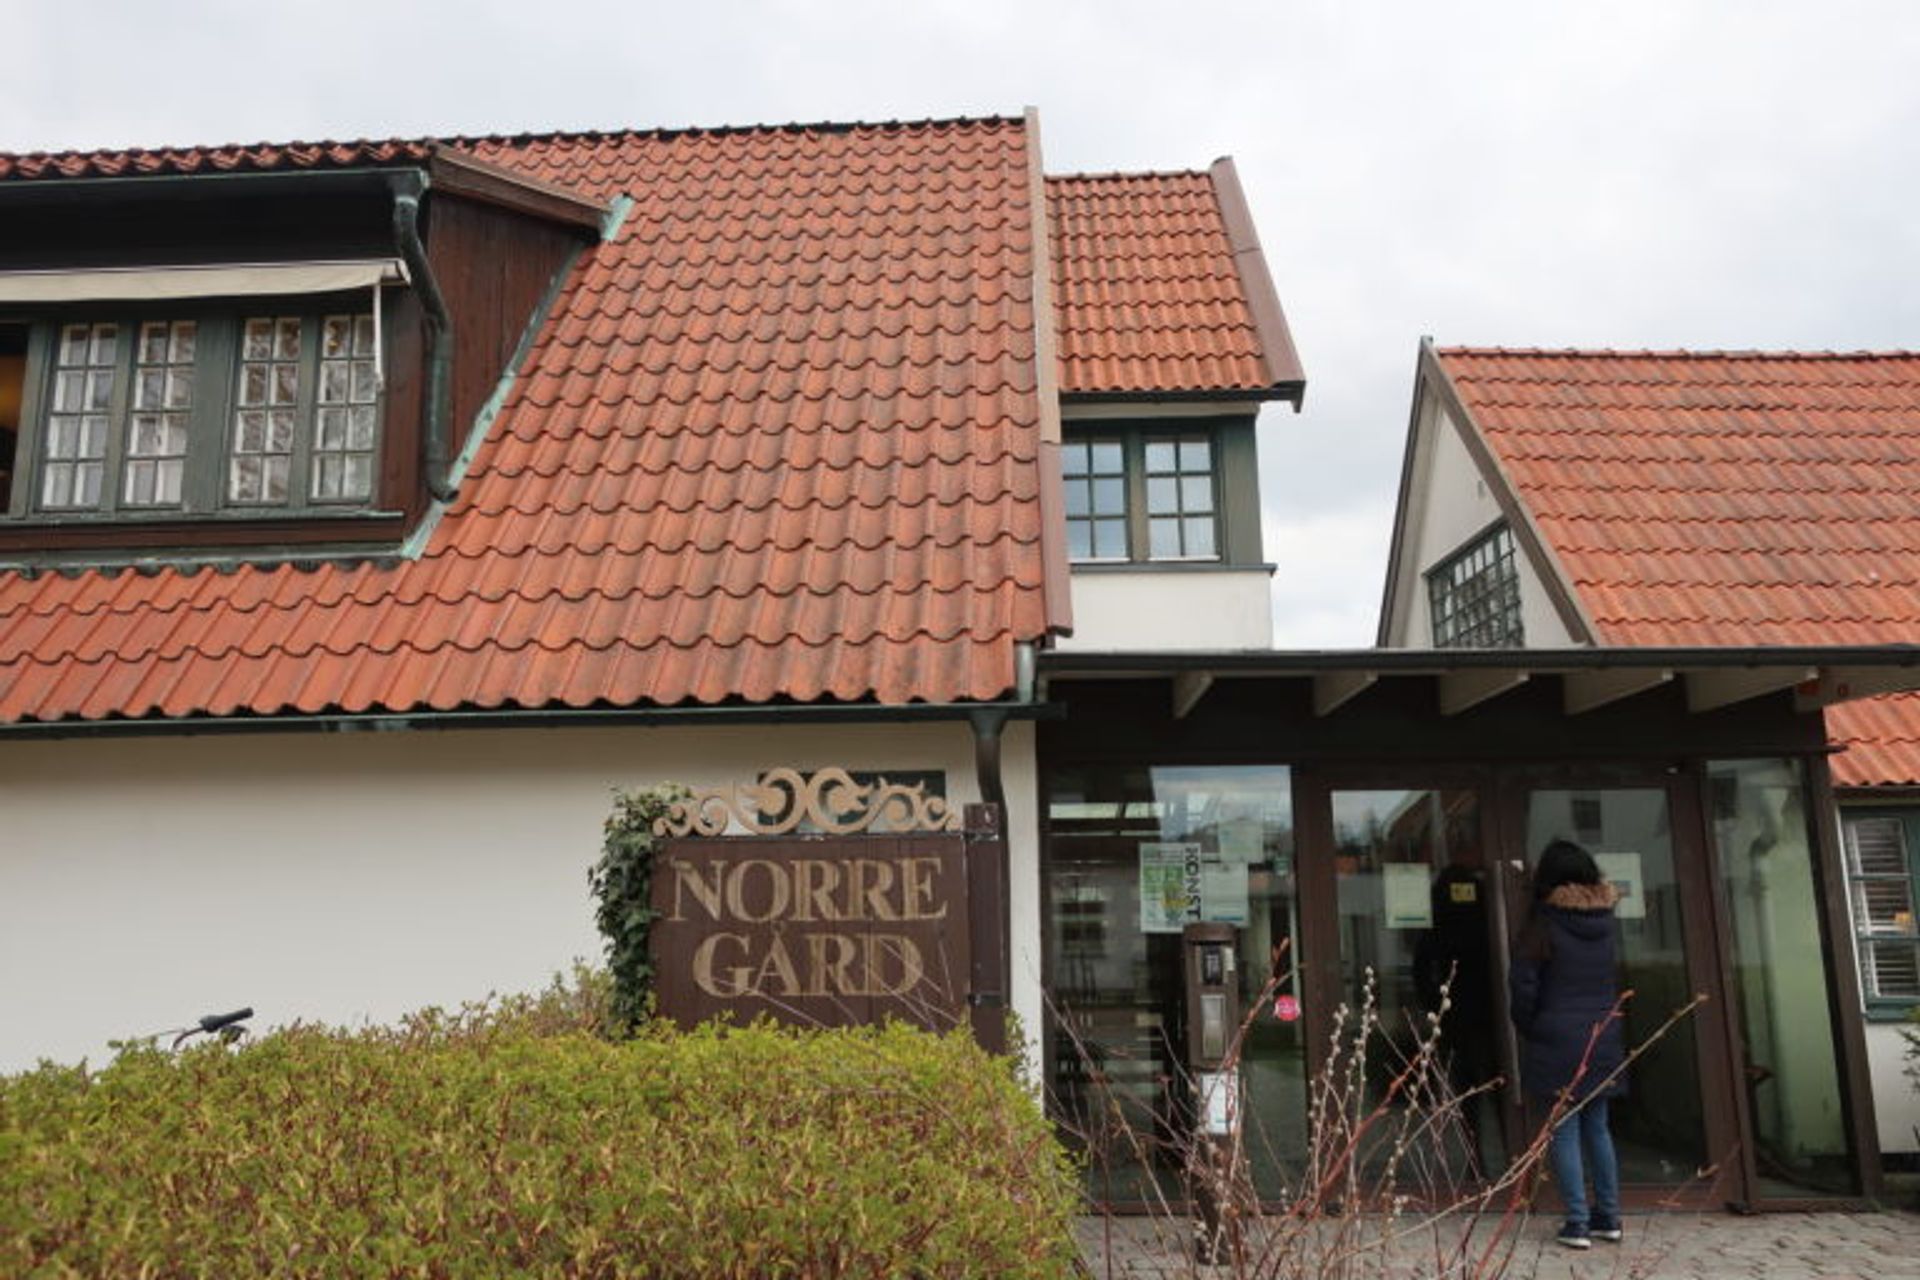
1180 884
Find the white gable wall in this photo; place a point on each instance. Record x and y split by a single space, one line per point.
343 877
1450 503
1171 608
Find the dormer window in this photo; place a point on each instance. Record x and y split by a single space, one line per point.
197 409
1140 493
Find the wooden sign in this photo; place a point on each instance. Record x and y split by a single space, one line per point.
825 931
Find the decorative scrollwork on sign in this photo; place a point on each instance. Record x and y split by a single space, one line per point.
827 801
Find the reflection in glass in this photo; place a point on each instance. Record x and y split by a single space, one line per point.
1415 926
1118 1075
1769 889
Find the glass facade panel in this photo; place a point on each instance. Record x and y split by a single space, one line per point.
1659 1128
1785 1019
1415 925
1118 840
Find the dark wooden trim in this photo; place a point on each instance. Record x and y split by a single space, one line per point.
460 174
1277 351
1843 982
1506 495
1194 395
1727 1115
52 545
1314 882
985 853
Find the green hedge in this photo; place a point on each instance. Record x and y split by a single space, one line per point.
515 1145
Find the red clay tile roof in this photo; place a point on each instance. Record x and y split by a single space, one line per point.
1725 499
234 158
778 440
1158 291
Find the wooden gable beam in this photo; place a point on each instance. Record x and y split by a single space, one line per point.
1333 690
1711 690
1188 688
1464 690
1586 690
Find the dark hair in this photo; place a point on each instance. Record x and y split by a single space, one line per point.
1563 862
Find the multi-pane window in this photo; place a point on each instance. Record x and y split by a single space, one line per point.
73 478
1180 499
1096 475
345 421
176 415
260 461
1138 496
156 460
1880 880
1475 595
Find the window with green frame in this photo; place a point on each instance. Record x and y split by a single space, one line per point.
268 410
1142 494
1881 849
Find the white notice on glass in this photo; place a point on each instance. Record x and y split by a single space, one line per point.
1169 886
1622 870
1219 1101
1409 902
1223 892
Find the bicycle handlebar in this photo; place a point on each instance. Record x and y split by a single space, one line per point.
215 1021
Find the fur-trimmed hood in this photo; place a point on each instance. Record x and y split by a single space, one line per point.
1584 897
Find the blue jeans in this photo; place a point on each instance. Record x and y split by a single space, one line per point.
1589 1123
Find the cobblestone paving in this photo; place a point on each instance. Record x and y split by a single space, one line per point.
1834 1246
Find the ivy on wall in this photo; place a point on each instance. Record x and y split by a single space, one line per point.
622 885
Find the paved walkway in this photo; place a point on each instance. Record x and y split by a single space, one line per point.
1674 1246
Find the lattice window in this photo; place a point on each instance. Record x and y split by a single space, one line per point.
156 461
1880 878
343 443
1475 595
1180 500
83 386
1096 480
260 469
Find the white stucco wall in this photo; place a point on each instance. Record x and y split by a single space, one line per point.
1451 502
341 877
1896 1096
1171 609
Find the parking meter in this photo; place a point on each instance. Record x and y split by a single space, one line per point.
1213 994
1209 955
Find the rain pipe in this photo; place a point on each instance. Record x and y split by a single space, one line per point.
408 188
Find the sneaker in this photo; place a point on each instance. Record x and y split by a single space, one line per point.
1607 1229
1574 1237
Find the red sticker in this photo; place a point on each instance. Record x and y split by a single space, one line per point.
1286 1008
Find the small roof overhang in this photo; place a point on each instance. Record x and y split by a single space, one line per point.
1819 676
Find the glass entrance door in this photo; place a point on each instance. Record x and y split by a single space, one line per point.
1413 901
1133 855
1660 1127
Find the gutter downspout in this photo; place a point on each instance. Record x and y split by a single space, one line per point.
988 721
408 188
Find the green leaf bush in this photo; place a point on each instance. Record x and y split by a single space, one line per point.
517 1140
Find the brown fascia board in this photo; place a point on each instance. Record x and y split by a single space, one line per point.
1269 321
457 173
1559 584
1056 573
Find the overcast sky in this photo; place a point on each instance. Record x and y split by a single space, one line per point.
1521 172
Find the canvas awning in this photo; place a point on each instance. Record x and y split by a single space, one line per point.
219 280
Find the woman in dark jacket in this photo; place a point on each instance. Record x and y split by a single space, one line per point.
1563 996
